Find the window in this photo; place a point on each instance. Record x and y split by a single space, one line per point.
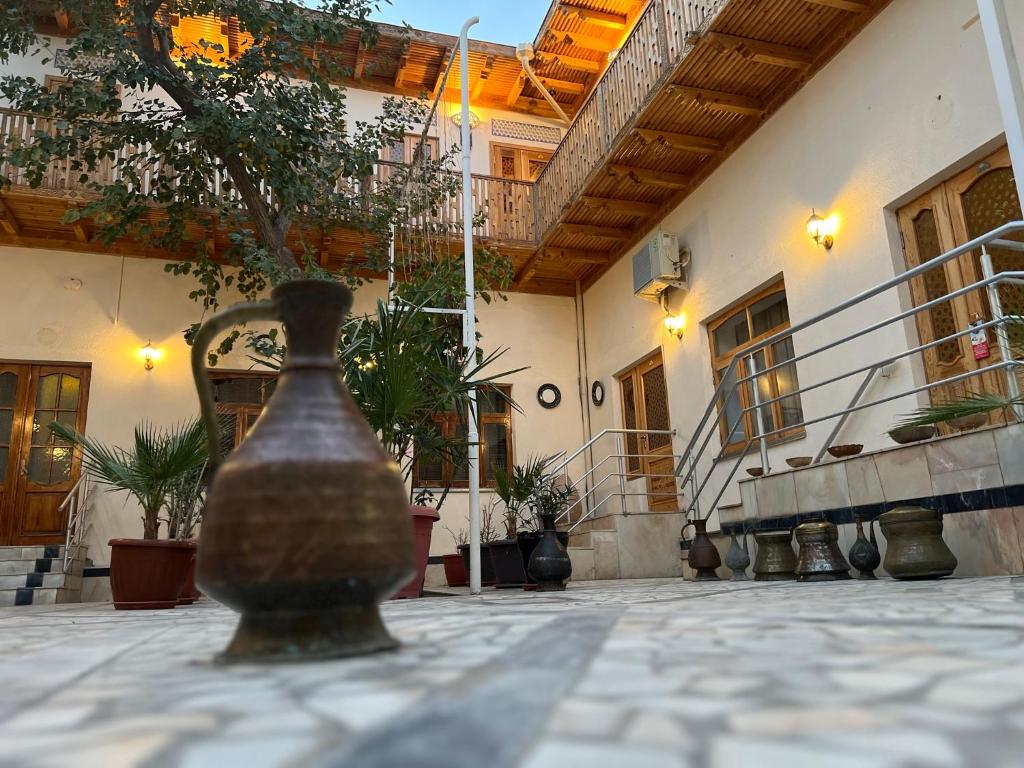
518 163
240 399
495 444
741 327
404 150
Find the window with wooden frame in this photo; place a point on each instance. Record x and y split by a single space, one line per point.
736 330
404 150
517 163
240 397
495 416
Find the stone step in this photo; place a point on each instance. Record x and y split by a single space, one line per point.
31 553
38 596
45 580
580 538
40 565
582 559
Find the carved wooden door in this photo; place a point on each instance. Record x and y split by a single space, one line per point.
645 407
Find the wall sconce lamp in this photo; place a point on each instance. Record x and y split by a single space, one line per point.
149 355
821 230
676 325
474 119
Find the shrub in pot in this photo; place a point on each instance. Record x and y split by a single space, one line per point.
184 506
149 572
550 565
487 536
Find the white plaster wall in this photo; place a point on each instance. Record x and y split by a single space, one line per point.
43 321
903 103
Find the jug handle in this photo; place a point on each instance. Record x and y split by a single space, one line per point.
239 313
682 531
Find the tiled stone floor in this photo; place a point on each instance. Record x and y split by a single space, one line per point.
653 674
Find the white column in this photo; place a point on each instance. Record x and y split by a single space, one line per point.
469 324
1007 79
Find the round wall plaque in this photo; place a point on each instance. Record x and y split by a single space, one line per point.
549 396
597 393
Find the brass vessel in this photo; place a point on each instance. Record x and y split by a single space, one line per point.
820 558
307 524
776 560
914 545
703 557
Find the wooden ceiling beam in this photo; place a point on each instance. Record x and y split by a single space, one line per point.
593 230
578 255
563 86
647 176
580 65
517 89
529 268
719 100
681 141
403 68
614 21
627 207
78 226
481 80
360 67
759 51
581 41
8 221
854 6
439 81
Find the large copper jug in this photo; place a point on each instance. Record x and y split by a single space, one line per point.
307 525
703 556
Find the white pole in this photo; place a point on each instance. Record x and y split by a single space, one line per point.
1007 78
469 319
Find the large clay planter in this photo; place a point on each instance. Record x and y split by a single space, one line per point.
307 526
147 574
914 548
486 567
703 555
455 570
423 519
507 561
189 594
550 565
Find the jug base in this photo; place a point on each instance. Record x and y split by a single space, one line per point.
308 635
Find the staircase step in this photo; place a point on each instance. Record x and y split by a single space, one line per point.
582 559
585 538
38 596
45 580
31 553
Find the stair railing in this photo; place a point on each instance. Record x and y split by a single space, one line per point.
612 469
75 506
698 474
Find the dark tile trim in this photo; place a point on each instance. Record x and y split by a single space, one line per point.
43 564
434 560
34 580
95 572
968 501
23 596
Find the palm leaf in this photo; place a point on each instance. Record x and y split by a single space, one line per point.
970 404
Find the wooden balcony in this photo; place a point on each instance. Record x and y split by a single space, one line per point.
32 215
693 81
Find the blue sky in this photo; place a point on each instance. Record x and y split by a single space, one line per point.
501 21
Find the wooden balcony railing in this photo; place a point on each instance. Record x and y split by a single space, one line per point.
654 49
506 205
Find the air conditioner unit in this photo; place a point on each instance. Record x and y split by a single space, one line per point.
657 266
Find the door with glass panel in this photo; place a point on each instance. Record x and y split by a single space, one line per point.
645 407
970 204
37 470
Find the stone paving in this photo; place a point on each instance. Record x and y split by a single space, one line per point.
652 673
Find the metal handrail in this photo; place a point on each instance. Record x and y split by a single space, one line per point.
870 293
76 503
688 466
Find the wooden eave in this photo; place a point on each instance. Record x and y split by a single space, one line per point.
719 92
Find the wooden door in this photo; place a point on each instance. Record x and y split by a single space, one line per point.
980 199
968 205
645 407
40 468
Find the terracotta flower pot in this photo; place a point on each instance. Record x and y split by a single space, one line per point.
147 574
455 570
189 593
423 519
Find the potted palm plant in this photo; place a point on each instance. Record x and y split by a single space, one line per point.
148 572
184 508
550 565
516 490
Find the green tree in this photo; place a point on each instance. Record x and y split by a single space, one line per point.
255 142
